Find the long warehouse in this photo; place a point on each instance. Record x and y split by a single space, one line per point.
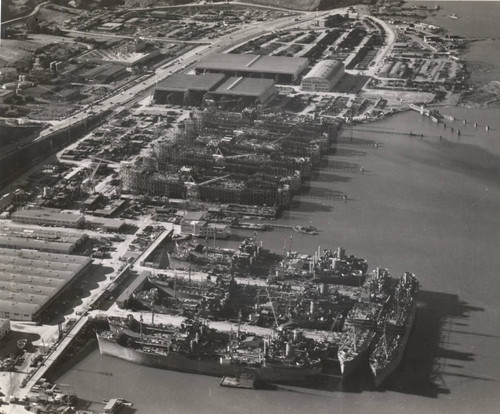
281 69
30 281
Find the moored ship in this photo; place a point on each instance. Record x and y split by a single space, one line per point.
353 352
195 348
388 351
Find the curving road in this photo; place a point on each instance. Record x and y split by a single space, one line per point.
18 19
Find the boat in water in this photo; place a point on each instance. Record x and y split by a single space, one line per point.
324 266
192 347
250 226
195 348
306 229
284 356
353 351
388 351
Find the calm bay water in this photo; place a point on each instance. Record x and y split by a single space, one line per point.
429 205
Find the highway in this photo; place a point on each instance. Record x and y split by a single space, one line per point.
18 19
140 89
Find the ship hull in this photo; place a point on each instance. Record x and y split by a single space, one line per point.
380 374
178 294
351 280
172 360
357 360
177 362
351 365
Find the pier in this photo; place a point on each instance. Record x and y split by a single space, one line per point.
52 357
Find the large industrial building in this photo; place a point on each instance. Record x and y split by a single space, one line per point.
323 76
42 239
248 91
183 89
105 73
281 69
30 281
48 217
34 244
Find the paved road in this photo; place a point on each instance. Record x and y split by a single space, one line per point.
18 19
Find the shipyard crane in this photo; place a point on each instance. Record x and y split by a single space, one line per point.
272 307
219 156
104 160
192 187
88 183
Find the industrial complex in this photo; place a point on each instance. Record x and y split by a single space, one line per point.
147 146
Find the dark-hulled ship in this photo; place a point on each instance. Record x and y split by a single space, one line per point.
195 348
388 351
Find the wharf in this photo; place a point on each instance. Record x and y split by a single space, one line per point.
280 226
53 356
130 289
221 326
152 247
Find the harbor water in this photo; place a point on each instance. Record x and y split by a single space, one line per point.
427 204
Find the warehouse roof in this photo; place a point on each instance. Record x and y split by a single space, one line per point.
245 86
325 69
25 243
182 82
42 233
103 70
253 63
47 214
29 279
107 223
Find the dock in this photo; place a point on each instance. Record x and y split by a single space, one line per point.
53 356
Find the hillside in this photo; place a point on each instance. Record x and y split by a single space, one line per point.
288 4
306 4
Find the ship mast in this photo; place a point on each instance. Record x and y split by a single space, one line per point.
272 308
384 343
140 326
355 338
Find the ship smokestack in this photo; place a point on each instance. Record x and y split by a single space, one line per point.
312 308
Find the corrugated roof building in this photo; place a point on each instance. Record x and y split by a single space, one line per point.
30 281
48 217
184 89
248 90
281 69
323 76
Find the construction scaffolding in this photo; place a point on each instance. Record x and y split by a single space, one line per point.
228 157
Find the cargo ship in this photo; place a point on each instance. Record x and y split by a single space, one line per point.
325 266
191 348
388 351
283 357
353 351
185 289
195 348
